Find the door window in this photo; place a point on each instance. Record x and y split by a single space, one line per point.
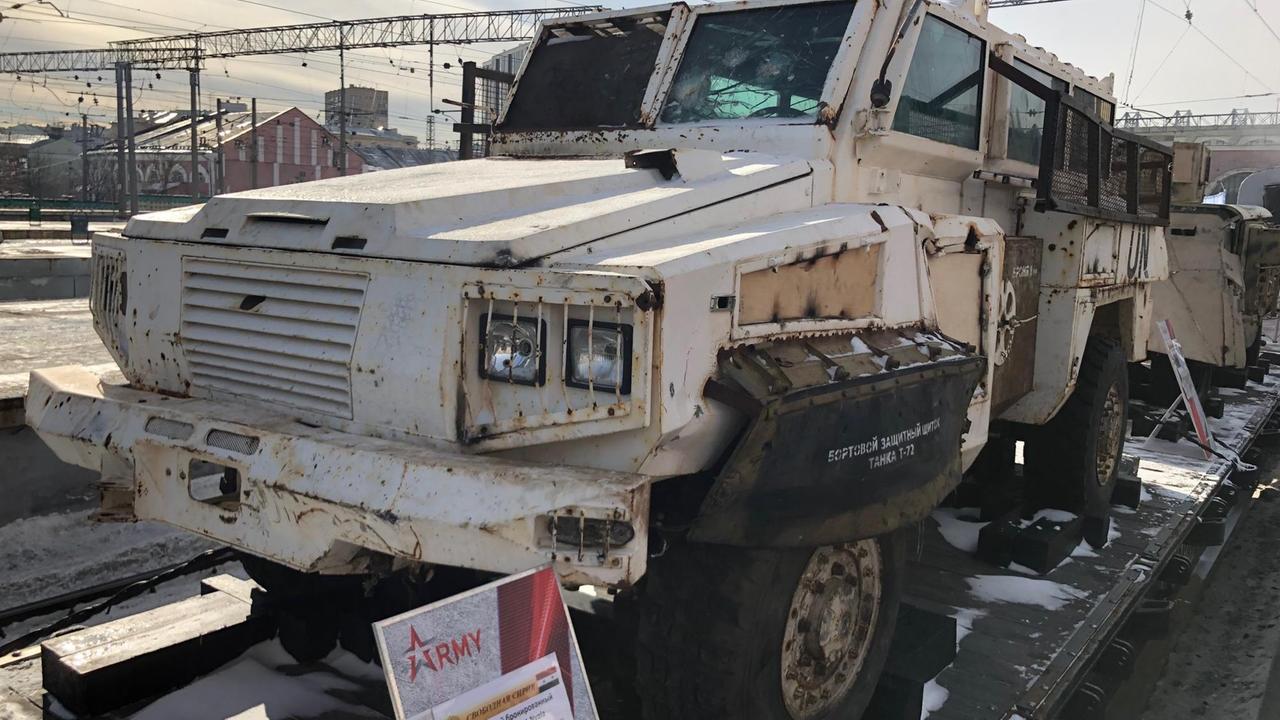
942 97
1026 115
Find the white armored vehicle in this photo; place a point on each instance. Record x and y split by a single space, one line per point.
744 293
1224 278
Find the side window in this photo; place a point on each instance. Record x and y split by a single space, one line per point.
1026 115
942 97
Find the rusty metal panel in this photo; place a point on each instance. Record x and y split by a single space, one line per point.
1016 335
956 279
839 285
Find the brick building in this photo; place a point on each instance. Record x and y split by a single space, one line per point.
292 148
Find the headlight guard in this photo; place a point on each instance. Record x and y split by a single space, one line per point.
515 350
607 356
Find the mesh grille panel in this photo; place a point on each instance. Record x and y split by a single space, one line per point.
1096 178
109 296
1071 178
172 429
236 443
1113 175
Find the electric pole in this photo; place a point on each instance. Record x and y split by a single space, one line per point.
253 143
195 133
84 158
342 110
216 184
132 170
122 181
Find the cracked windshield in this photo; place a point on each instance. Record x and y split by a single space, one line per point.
766 63
588 75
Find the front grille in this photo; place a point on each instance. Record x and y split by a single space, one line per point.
109 295
109 298
279 334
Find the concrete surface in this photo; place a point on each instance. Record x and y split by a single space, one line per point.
35 335
33 481
51 228
46 333
43 269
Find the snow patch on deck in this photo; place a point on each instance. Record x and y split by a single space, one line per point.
265 683
935 696
959 527
965 618
1023 590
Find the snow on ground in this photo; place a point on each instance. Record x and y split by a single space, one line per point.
1084 550
51 554
1023 590
1052 515
265 683
959 527
935 696
1024 570
965 618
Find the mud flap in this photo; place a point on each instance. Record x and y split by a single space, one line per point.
838 461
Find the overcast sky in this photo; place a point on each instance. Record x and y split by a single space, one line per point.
1225 51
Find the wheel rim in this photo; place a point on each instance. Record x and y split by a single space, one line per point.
830 625
1109 434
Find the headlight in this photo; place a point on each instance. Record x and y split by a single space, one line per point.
599 358
513 350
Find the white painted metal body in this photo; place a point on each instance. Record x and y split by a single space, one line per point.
1204 295
338 321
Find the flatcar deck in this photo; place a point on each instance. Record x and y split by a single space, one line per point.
1025 642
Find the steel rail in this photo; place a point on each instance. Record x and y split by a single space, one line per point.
118 590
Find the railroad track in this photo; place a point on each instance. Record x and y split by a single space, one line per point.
113 592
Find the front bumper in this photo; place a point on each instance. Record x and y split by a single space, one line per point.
318 499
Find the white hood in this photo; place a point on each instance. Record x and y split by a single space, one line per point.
491 212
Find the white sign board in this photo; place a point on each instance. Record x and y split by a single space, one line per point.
1188 387
503 651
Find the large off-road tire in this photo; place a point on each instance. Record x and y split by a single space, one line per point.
1254 351
308 607
1072 461
728 632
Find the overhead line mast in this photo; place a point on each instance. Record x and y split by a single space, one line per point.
178 52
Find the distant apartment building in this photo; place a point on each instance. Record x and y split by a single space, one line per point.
367 119
491 95
366 108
